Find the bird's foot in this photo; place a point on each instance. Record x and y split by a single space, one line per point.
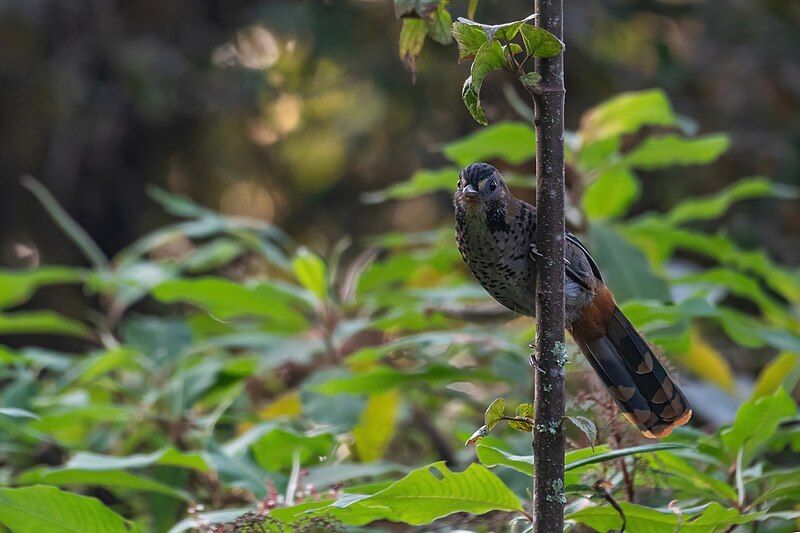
535 253
535 364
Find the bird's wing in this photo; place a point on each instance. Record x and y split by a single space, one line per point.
579 258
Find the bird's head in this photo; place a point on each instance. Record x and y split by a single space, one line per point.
480 186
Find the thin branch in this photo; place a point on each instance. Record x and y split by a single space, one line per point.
548 442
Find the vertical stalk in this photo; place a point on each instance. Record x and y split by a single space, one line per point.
548 440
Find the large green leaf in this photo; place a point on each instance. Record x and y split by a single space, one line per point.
383 378
660 240
49 509
611 193
642 519
16 287
226 299
503 32
422 182
275 450
513 142
624 267
491 456
430 493
714 206
626 113
115 479
164 457
756 422
679 474
670 150
41 323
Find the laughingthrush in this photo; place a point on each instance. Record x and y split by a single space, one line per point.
496 235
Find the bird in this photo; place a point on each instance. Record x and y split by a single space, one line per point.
496 235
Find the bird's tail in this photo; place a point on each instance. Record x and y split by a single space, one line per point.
637 381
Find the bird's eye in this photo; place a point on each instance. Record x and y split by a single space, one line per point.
492 185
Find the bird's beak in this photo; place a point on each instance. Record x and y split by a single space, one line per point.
470 192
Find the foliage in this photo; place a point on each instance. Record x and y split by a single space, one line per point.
296 387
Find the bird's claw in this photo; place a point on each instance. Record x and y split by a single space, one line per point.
535 253
535 364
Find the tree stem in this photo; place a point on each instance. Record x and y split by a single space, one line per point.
548 440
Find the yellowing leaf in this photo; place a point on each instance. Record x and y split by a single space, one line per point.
783 370
287 405
705 361
377 425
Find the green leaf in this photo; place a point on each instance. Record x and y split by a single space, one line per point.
642 519
489 57
756 423
422 182
472 100
17 286
214 254
74 232
626 113
274 451
586 427
530 79
660 240
41 323
782 372
226 299
377 424
430 493
524 410
490 457
513 142
671 150
16 412
494 413
626 270
42 508
505 32
540 42
746 287
163 457
602 456
412 39
118 479
688 478
469 39
383 378
440 24
611 193
714 206
311 272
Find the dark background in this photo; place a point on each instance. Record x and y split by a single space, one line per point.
289 110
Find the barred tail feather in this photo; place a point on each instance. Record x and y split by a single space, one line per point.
637 381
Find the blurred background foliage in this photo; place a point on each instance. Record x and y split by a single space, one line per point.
233 284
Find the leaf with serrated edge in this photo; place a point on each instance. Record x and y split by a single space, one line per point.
469 40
